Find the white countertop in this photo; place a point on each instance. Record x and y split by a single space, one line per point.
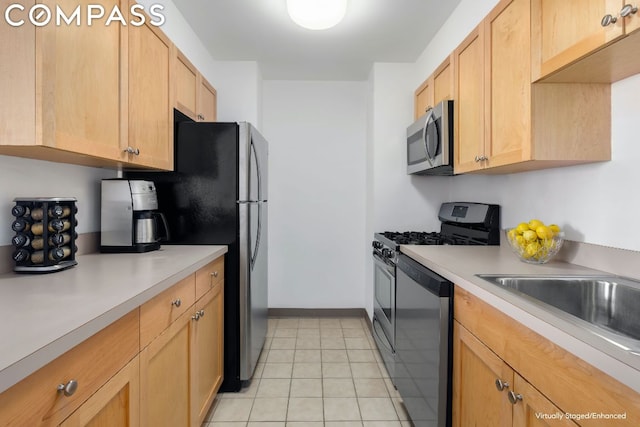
45 315
460 264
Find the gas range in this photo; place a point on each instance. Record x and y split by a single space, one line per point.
462 223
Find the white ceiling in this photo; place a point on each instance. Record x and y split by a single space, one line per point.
260 30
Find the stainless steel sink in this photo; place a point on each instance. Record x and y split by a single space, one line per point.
610 305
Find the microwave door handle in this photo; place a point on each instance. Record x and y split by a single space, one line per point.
424 135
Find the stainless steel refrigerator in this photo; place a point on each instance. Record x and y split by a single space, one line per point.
217 194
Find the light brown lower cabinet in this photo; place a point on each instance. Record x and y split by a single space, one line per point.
504 374
487 392
181 370
117 403
36 400
207 352
165 378
114 379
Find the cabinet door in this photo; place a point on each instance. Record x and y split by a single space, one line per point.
534 409
423 98
567 30
117 403
186 85
443 82
207 352
150 100
469 102
508 100
81 82
165 377
208 109
476 399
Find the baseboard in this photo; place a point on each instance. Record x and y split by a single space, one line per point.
318 312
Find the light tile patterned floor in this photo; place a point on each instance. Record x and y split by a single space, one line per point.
314 372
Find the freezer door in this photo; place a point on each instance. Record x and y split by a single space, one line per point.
253 152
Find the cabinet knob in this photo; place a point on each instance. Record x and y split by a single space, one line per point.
176 302
627 10
214 274
501 385
514 397
131 150
481 158
196 316
608 20
69 388
201 313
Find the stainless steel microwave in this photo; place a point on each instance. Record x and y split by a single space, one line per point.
430 142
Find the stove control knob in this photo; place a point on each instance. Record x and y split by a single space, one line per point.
376 244
387 253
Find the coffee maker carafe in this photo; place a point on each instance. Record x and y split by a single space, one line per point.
129 217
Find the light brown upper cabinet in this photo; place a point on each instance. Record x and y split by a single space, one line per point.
195 96
95 95
584 40
437 87
468 104
186 85
62 87
208 101
423 98
150 128
443 81
505 124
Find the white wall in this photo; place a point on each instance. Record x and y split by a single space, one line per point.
594 203
585 200
36 178
317 160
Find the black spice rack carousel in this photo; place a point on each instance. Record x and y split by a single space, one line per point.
45 234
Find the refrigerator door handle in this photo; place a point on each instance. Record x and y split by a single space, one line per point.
255 155
254 255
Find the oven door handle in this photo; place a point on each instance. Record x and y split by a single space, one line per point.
382 338
388 269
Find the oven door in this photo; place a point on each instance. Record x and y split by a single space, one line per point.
384 311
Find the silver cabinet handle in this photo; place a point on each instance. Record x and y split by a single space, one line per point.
201 313
196 316
214 274
608 20
69 388
176 302
514 397
131 150
501 385
627 10
481 158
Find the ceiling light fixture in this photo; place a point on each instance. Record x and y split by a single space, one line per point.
317 14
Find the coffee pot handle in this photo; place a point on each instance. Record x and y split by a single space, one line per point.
165 237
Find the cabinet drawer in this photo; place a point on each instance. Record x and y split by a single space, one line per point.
208 276
157 314
35 401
